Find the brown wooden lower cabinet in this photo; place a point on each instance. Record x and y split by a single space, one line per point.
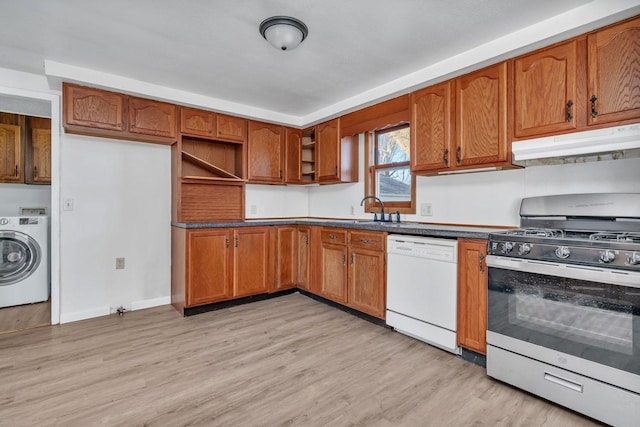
286 257
472 294
353 269
217 264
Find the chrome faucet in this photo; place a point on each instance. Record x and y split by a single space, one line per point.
375 218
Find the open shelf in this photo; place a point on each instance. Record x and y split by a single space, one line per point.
308 155
222 174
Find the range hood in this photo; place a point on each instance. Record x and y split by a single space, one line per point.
579 147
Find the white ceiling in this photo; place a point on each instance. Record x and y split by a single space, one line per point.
212 48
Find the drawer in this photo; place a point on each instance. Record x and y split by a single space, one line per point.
367 239
334 235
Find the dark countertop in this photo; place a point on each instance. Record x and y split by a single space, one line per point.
411 228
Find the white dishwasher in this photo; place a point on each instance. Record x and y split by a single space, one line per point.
422 289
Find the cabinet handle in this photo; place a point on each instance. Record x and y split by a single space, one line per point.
226 241
351 258
35 172
344 258
365 240
336 170
569 115
280 173
306 240
333 236
593 100
16 173
445 157
458 155
481 257
236 241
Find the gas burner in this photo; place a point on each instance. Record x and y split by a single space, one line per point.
618 237
537 232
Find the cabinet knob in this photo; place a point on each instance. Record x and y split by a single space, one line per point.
593 100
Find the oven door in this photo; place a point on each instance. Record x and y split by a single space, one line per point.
588 317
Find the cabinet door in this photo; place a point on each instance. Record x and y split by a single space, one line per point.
545 85
431 128
148 117
286 258
614 73
333 272
304 257
197 122
10 153
251 261
293 156
93 108
481 117
209 268
231 128
367 282
38 164
472 294
328 151
265 150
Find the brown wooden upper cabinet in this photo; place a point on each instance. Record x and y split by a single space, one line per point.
96 112
10 153
546 90
293 156
38 151
614 74
93 108
588 81
153 118
265 152
336 158
197 122
230 128
481 118
461 123
432 127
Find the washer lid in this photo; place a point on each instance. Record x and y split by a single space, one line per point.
19 257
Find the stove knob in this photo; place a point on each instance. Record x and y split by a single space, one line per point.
524 249
563 252
607 256
633 258
507 247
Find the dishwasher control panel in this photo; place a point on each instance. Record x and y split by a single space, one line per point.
423 247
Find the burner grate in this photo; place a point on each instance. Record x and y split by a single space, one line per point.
537 232
619 237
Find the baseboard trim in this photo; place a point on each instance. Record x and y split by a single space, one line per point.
83 315
148 303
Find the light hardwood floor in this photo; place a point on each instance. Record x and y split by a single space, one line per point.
286 361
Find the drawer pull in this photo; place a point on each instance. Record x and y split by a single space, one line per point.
563 382
365 240
333 236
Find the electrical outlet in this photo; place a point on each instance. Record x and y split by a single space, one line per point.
119 263
67 204
426 209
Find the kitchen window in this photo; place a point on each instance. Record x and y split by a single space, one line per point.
389 175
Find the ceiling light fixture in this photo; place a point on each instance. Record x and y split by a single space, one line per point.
283 32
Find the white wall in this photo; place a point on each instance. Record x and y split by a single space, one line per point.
16 196
276 201
122 208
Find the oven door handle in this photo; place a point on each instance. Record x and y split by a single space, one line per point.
571 271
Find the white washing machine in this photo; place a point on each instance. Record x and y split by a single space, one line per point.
24 260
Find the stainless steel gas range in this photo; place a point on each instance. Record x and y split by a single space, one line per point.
564 304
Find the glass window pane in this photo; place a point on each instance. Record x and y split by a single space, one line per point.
394 184
393 146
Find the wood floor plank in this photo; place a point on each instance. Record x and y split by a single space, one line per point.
289 361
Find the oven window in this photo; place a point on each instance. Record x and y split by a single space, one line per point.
594 321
